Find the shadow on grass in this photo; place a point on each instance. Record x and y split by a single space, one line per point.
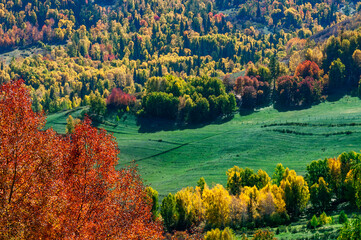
281 108
152 124
335 96
245 111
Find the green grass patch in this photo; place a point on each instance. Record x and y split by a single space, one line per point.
172 157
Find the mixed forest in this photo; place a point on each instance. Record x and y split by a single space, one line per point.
190 62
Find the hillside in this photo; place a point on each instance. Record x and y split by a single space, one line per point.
170 158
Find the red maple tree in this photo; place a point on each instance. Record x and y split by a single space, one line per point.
65 187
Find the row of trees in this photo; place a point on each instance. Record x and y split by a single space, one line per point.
255 200
69 83
249 200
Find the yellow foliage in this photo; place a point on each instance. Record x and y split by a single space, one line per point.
270 200
335 168
216 234
192 203
238 211
295 192
250 196
216 203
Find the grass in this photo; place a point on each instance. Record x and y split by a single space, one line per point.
171 157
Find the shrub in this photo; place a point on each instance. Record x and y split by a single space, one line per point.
263 235
324 219
313 223
216 234
342 218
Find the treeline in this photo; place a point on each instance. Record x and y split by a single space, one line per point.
254 200
29 21
313 72
146 39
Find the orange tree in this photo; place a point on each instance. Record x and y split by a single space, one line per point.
65 187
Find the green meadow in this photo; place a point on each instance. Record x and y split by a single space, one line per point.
172 157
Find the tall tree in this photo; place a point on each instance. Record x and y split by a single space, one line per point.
274 67
296 192
28 160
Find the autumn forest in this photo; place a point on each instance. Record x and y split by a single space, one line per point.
71 68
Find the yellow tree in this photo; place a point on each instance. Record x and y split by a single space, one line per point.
189 206
295 192
335 173
216 203
263 179
250 195
353 180
216 234
320 194
234 180
238 212
270 201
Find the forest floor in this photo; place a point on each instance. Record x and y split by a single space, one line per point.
171 157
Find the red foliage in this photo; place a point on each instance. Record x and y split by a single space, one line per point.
120 99
28 163
192 234
219 17
293 91
308 69
65 187
143 23
253 91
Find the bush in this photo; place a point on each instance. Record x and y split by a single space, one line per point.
282 228
351 230
216 234
313 223
342 218
324 219
263 235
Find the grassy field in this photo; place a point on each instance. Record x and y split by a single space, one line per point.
170 157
